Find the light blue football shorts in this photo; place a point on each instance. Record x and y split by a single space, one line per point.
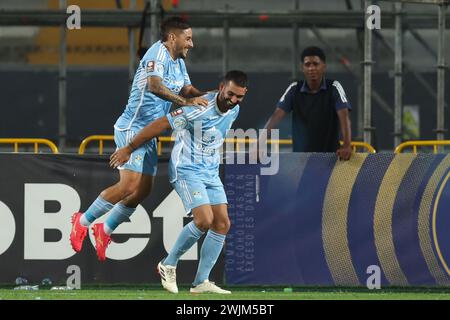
144 159
194 192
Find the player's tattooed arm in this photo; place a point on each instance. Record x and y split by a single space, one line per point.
190 91
159 89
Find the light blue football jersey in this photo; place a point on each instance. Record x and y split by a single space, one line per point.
143 106
199 137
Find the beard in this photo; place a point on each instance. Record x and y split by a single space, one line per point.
182 54
230 105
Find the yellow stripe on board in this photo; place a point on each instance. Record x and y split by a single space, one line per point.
424 223
334 220
384 240
436 242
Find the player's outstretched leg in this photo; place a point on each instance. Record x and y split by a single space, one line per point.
81 221
105 202
78 232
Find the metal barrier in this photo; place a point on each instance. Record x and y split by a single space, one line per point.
99 138
359 144
354 144
35 141
414 144
237 142
102 138
164 139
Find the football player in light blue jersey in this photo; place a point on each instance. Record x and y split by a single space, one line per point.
160 80
194 173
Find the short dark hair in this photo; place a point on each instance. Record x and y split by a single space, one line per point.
238 77
313 51
172 23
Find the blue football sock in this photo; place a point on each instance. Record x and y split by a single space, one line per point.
211 248
188 236
98 208
119 214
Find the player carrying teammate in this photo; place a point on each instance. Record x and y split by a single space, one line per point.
194 173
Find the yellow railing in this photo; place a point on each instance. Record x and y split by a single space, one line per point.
99 138
414 144
164 139
35 141
237 143
354 144
359 144
102 138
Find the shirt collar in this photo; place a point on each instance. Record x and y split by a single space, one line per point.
306 89
168 52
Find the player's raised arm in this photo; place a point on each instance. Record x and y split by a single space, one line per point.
159 89
152 130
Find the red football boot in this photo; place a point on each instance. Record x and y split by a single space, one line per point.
102 241
78 232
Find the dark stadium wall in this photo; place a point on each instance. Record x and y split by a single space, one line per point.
95 98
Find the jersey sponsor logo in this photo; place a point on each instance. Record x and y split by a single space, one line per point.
205 150
179 123
211 136
173 85
150 66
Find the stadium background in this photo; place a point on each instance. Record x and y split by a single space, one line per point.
98 62
97 89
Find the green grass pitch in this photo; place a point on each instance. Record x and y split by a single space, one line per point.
238 293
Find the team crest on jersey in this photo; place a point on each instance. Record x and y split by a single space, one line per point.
150 66
179 123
